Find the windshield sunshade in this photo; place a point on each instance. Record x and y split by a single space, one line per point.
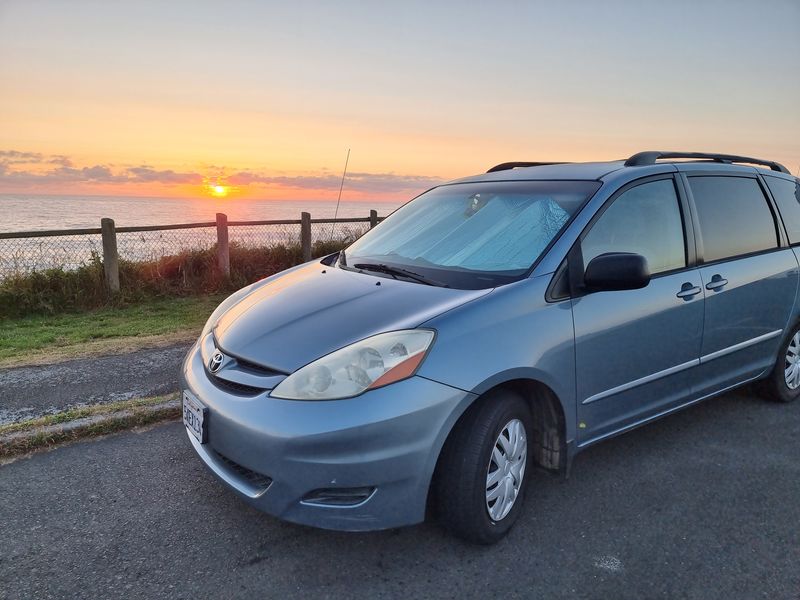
474 235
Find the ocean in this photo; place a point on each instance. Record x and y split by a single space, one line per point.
24 212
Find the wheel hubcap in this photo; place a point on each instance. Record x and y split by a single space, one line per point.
507 468
792 367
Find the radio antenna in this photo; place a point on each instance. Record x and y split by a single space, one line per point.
339 199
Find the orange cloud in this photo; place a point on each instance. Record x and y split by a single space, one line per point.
32 172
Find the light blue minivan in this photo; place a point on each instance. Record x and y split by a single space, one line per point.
496 324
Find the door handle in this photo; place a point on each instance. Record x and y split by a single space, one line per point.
688 291
716 283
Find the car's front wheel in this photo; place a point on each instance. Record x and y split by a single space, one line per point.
783 384
481 476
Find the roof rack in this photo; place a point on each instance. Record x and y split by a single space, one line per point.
514 165
650 157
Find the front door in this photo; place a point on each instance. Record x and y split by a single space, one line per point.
636 350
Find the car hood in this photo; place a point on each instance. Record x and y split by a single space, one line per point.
310 311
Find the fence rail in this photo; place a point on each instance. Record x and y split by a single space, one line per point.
7 235
23 252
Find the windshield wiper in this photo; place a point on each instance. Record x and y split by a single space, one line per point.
395 271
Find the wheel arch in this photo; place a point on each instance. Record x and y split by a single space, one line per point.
550 442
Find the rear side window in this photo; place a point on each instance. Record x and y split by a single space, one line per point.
787 197
734 216
644 220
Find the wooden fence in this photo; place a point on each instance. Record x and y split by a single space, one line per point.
108 232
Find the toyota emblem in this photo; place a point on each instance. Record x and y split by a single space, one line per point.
215 362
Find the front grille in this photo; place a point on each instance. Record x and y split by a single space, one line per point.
257 480
256 368
232 386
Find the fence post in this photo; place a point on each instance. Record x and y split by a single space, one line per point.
110 256
223 247
305 235
373 218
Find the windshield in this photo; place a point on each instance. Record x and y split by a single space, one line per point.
471 235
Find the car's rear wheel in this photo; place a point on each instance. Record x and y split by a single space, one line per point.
481 476
783 384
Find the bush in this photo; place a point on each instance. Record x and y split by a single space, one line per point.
189 273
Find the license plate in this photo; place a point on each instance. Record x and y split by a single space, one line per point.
194 417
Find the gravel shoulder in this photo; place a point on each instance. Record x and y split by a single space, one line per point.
702 504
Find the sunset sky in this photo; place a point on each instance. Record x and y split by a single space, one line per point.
265 98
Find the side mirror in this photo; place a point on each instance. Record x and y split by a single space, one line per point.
617 271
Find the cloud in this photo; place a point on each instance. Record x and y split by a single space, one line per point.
150 175
362 182
33 170
60 159
16 154
15 157
96 174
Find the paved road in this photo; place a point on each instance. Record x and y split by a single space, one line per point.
27 392
704 504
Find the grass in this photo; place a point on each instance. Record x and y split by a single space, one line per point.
52 334
83 412
100 419
59 314
190 273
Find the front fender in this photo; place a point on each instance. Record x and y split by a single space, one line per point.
510 334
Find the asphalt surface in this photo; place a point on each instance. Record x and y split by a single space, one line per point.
703 504
33 391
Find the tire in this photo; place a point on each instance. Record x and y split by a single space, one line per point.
776 386
461 480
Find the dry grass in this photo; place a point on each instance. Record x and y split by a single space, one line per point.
85 422
107 347
190 273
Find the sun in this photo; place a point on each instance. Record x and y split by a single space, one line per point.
220 191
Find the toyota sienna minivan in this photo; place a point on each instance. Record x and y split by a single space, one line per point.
493 326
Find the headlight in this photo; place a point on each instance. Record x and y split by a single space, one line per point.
365 365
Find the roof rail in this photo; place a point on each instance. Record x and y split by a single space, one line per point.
650 157
514 165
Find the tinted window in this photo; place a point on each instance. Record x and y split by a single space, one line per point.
645 220
787 196
734 216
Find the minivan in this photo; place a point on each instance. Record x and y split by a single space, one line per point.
495 326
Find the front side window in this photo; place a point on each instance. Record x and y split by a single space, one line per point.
787 197
471 235
734 216
643 220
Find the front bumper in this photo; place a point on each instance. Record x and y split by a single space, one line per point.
274 453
